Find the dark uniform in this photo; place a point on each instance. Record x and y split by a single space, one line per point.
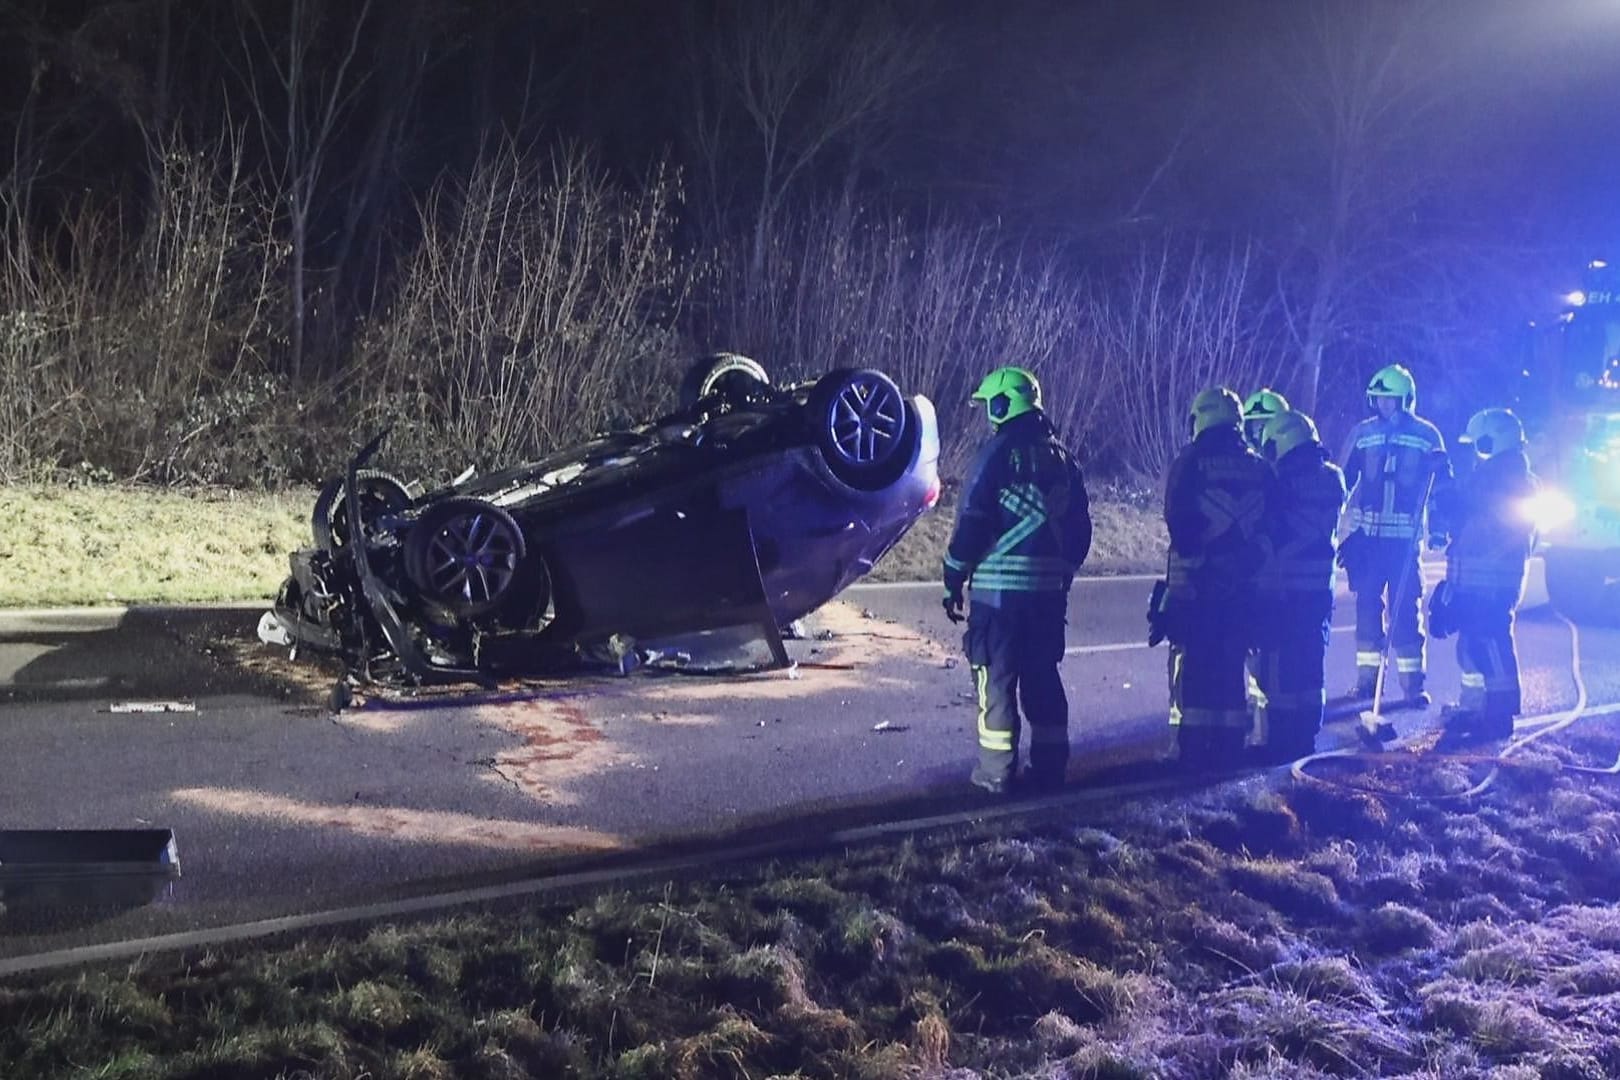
1295 587
1214 508
1023 531
1390 465
1485 565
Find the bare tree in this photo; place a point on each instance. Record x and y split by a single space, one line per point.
783 83
317 93
1370 87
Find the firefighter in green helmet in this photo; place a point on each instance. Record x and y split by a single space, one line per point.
1395 464
1023 530
1214 509
1485 566
1259 409
1295 588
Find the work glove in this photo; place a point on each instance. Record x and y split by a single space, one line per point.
1156 613
1438 541
952 603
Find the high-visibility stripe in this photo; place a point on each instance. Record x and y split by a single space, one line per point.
989 739
1473 678
1408 665
1369 658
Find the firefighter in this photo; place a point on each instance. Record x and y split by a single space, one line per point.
1214 508
1022 532
1393 461
1485 566
1258 409
1261 406
1295 589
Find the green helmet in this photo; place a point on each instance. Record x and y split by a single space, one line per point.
1215 407
1262 405
1287 432
1492 432
1008 392
1392 381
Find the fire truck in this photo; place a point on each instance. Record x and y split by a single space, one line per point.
1572 405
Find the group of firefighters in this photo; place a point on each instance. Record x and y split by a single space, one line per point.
1252 505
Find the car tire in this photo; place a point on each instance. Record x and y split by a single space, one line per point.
734 377
862 426
1581 584
465 556
382 493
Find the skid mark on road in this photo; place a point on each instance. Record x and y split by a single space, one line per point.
400 823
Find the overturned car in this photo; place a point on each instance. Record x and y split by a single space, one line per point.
739 513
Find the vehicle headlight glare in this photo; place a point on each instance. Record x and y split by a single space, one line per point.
1549 509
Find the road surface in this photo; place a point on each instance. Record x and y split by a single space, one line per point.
280 808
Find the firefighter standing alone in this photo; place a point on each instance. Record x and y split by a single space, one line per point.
1022 532
1393 462
1295 586
1485 565
1214 509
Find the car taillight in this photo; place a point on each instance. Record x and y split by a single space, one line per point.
932 496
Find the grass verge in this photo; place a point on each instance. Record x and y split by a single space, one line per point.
1264 929
87 545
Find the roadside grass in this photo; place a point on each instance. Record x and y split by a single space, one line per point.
102 544
1249 931
66 545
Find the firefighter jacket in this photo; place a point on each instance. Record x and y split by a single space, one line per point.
1025 521
1492 536
1388 465
1302 512
1214 508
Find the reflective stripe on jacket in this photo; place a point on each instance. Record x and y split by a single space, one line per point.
1025 519
1388 465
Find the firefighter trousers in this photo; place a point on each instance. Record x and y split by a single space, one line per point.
1388 567
1487 654
1208 686
1289 670
1014 647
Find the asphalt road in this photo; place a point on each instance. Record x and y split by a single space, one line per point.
280 808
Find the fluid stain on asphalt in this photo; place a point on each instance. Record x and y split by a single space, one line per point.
558 744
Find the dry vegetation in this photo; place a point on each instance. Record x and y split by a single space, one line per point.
1267 929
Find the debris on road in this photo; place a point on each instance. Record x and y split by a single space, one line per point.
887 725
152 706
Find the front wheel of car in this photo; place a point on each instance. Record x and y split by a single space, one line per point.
380 493
465 556
862 427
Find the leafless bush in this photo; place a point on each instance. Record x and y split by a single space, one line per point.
121 359
1176 321
936 308
530 314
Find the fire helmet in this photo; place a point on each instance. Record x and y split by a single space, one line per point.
1008 392
1215 407
1392 381
1492 432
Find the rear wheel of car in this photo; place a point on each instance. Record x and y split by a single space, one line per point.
380 493
731 376
862 427
465 555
